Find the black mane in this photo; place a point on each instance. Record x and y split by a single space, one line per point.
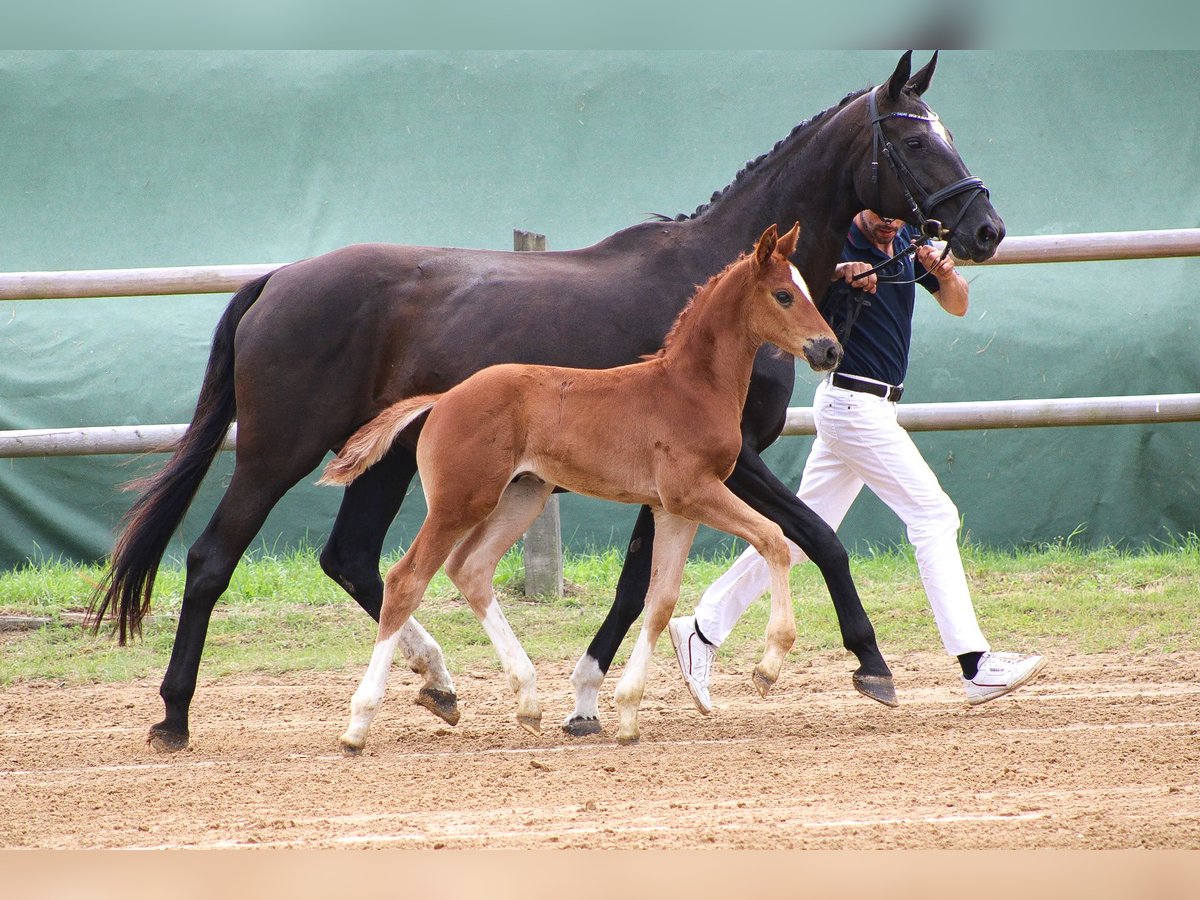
755 163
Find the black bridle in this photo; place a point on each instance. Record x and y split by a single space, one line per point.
923 209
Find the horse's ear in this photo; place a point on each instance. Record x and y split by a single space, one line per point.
919 83
787 242
900 77
766 245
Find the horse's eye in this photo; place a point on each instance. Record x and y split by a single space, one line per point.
784 298
913 143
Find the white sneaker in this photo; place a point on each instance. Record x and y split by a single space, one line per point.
1000 673
695 659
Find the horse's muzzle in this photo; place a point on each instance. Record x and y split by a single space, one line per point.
823 354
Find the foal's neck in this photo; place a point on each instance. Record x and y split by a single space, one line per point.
711 344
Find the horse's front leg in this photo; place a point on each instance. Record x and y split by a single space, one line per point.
627 606
672 539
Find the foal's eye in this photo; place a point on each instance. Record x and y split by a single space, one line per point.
784 298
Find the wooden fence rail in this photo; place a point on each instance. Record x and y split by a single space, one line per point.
971 415
223 279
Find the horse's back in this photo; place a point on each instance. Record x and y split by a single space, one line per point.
378 322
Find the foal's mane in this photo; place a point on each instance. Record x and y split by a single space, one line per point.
702 292
755 163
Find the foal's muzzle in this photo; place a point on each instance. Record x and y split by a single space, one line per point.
823 353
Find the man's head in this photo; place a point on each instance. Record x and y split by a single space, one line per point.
878 230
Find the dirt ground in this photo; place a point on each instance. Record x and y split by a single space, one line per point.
1102 751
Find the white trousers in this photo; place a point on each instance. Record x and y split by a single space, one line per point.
859 442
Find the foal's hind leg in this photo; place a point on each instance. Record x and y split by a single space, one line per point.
472 568
351 558
404 586
672 539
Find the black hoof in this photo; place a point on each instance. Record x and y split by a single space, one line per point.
877 687
579 726
442 704
166 741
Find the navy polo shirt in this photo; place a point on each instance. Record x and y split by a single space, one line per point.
879 341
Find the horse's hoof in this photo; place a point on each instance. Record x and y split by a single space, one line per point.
532 724
442 704
626 739
350 748
762 683
877 687
166 741
579 726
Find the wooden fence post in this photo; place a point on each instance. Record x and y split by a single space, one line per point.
543 540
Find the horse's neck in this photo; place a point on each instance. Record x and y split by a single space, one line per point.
808 178
712 347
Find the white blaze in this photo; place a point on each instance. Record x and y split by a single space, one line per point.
940 130
798 280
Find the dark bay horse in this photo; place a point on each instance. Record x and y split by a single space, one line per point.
324 345
664 433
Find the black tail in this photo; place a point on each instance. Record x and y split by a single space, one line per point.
153 518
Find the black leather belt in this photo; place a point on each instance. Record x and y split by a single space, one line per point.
878 389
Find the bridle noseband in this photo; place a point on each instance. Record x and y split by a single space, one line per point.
931 228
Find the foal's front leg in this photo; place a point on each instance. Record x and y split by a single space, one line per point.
717 506
672 539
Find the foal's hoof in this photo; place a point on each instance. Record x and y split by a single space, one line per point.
877 687
166 741
350 748
532 724
580 726
762 682
442 704
626 739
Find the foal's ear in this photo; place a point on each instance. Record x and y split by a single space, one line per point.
787 243
766 245
900 77
919 83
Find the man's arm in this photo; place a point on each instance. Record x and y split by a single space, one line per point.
952 290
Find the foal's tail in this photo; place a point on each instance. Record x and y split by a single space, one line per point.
371 443
154 516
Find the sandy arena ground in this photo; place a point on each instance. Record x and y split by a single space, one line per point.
1103 751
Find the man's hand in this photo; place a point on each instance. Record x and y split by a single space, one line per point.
952 292
847 270
928 256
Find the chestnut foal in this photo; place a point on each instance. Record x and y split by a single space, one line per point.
663 432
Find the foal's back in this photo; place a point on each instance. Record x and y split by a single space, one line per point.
608 433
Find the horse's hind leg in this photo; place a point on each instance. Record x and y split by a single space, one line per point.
351 558
472 568
404 586
254 489
627 606
672 539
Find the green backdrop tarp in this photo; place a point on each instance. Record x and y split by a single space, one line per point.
140 159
